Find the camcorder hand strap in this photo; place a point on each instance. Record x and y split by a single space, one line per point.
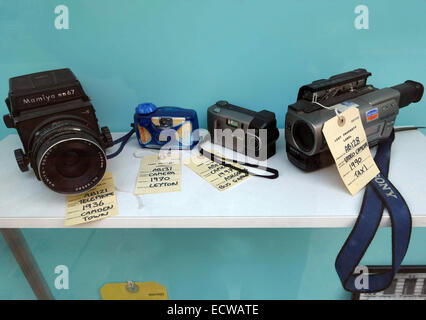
380 193
226 163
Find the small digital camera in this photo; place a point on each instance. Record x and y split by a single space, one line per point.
245 131
305 144
59 130
173 127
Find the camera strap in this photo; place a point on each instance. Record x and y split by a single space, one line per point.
123 141
220 160
380 193
226 163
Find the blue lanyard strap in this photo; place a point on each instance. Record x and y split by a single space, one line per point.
379 194
123 141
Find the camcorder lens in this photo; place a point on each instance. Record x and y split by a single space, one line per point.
303 136
70 163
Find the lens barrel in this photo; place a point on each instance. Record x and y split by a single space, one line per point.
69 158
303 136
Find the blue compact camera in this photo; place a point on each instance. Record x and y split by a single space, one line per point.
157 126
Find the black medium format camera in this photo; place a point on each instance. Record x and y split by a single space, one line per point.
58 129
305 144
245 131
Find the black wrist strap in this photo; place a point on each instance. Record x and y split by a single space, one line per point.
123 141
225 162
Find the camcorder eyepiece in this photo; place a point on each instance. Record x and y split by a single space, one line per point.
410 92
58 129
305 144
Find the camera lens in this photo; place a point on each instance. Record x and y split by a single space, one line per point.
303 136
166 122
69 158
72 164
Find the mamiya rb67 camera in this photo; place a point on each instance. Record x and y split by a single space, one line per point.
305 144
58 129
248 132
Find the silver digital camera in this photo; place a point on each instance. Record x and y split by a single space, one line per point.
242 130
317 102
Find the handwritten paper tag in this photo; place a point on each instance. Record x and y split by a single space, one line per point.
217 175
139 291
348 144
158 174
95 204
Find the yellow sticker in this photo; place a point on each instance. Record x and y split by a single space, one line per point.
217 175
348 144
159 173
178 121
144 134
95 204
134 291
183 134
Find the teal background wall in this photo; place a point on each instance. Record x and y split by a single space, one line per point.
198 264
191 53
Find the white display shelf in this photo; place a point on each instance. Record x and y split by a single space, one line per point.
295 200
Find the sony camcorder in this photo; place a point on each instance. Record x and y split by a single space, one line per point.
245 131
305 144
58 129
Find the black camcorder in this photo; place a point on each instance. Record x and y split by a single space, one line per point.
58 129
317 102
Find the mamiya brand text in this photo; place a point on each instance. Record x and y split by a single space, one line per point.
47 98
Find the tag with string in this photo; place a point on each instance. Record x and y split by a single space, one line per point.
134 291
159 173
95 204
219 176
348 144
